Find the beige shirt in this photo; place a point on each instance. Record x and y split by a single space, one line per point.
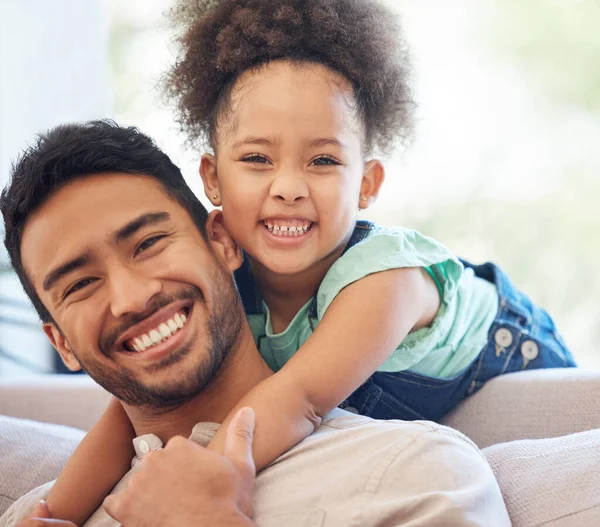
355 472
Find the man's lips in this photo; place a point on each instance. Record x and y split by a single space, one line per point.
174 312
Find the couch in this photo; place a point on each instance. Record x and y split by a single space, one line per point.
540 431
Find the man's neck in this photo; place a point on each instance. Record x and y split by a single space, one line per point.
240 372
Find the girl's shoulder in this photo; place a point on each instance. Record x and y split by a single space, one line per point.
378 248
400 245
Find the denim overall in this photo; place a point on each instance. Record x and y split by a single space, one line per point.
522 336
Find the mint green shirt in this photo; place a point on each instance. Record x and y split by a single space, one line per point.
468 306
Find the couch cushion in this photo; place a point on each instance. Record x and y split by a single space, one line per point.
551 482
31 454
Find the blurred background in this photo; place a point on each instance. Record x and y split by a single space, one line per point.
505 165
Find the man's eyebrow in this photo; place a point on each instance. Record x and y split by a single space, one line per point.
56 274
151 218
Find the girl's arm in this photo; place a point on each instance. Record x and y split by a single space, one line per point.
99 462
361 328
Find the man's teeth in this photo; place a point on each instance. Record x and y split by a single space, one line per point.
155 336
288 227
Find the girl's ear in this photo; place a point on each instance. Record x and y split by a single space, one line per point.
373 177
60 344
208 173
224 246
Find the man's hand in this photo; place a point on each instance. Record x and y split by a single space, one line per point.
186 484
40 516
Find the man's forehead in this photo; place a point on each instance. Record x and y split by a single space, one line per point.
88 211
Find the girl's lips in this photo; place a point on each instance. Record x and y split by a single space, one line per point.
283 238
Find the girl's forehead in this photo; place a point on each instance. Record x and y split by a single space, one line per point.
281 94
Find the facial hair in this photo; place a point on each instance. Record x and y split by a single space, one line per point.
224 328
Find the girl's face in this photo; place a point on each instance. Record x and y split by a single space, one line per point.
289 169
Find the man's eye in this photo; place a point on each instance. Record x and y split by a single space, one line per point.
79 285
147 243
324 161
255 158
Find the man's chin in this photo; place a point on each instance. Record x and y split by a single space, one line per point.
166 384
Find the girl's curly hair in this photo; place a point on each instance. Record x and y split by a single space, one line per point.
220 39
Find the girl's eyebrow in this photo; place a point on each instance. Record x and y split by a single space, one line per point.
266 141
327 141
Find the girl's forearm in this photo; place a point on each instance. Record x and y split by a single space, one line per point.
284 417
99 462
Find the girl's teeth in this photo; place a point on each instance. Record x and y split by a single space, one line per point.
141 346
288 230
172 325
178 320
146 340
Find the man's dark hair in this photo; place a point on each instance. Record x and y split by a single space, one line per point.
72 151
221 39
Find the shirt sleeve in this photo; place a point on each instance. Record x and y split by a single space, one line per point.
439 479
399 248
24 505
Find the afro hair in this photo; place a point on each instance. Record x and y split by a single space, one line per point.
221 39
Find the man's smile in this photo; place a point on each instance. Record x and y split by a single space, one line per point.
161 332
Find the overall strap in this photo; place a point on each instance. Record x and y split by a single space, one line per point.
361 231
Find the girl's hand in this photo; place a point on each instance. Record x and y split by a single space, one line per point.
40 516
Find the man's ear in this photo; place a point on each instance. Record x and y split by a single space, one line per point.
224 246
60 344
208 173
373 177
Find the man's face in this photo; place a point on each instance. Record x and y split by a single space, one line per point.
138 298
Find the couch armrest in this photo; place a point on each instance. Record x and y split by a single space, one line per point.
72 400
530 405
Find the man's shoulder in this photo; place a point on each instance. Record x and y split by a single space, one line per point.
359 471
341 421
368 442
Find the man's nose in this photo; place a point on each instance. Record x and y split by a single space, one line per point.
289 187
131 291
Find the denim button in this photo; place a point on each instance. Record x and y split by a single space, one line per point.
530 350
503 337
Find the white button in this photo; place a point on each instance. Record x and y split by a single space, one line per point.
144 446
530 350
351 409
503 338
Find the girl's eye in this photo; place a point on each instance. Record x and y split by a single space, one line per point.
255 158
79 285
147 243
324 161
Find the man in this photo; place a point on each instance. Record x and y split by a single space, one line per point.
109 243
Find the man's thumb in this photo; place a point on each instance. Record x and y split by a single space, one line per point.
40 510
238 443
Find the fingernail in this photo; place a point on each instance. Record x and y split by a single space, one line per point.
247 417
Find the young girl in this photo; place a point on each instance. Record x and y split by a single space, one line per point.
293 96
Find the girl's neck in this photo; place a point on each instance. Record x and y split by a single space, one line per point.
286 294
